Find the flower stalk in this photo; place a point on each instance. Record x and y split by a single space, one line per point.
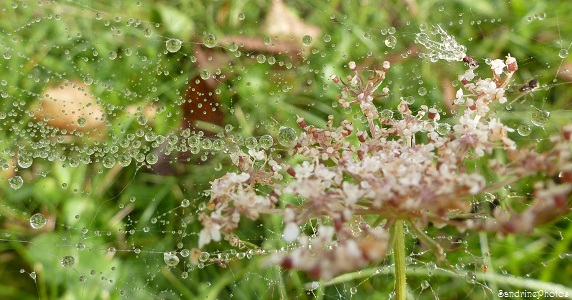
399 260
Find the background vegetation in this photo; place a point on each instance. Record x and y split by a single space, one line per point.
117 222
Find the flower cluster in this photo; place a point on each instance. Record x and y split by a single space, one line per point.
385 173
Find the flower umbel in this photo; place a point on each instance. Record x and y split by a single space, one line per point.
384 171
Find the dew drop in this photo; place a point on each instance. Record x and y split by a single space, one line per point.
16 182
25 161
386 114
151 158
286 136
524 129
185 252
327 38
147 32
250 142
422 91
205 74
390 42
185 202
241 16
38 221
471 277
266 141
563 53
425 284
210 40
171 259
261 58
81 121
307 40
67 261
108 162
540 117
112 55
443 128
173 45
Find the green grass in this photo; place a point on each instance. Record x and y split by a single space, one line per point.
131 216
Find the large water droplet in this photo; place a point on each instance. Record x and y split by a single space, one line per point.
67 261
524 129
173 45
38 221
171 259
16 182
210 40
286 136
307 40
266 141
390 42
540 117
563 53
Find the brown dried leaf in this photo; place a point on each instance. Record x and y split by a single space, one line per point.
65 104
281 22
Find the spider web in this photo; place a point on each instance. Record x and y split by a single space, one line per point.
120 196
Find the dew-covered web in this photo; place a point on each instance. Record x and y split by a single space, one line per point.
117 116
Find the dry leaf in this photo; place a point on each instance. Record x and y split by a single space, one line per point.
72 107
281 22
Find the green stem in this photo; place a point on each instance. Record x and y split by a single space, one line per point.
399 260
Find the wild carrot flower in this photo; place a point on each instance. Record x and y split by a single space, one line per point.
386 171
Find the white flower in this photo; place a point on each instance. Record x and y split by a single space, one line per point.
497 66
291 232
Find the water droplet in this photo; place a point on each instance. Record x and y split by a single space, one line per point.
112 55
7 55
443 128
80 246
185 202
307 40
266 141
250 142
286 136
124 160
81 121
210 40
205 74
386 114
390 42
185 252
563 53
471 277
540 117
241 16
147 32
233 46
425 284
173 45
151 158
327 38
67 261
25 161
108 162
422 91
311 286
261 58
171 259
524 129
82 278
16 182
353 290
38 221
